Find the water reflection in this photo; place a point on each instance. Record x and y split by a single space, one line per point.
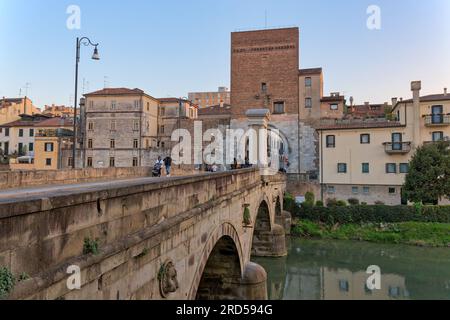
326 270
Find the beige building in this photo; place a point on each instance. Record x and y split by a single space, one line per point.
11 109
368 159
51 147
58 111
208 99
172 114
118 125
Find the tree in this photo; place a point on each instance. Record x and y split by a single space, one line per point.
428 179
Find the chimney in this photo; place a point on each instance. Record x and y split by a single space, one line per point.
416 86
445 92
367 104
394 101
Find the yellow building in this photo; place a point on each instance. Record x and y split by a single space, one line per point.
50 145
11 109
368 159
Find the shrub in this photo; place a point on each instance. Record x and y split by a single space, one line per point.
379 203
319 203
353 201
375 214
290 204
7 282
341 203
331 202
90 246
309 199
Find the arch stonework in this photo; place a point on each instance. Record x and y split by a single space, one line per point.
226 229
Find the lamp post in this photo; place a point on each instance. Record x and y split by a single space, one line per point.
86 42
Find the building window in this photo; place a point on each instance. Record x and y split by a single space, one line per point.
365 168
355 190
147 144
21 149
91 126
112 143
136 104
163 144
366 190
404 167
31 132
113 125
136 126
70 162
148 106
91 104
135 162
162 111
331 190
365 138
334 106
438 136
331 141
49 147
391 168
113 105
20 132
48 162
6 132
161 129
344 286
308 103
342 168
31 147
278 107
392 191
264 87
308 82
112 162
135 143
90 144
89 162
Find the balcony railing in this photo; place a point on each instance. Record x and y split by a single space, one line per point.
397 147
437 120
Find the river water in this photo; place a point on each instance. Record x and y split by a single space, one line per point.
336 270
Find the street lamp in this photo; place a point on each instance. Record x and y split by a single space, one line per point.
95 56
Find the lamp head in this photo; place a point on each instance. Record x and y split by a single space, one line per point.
95 56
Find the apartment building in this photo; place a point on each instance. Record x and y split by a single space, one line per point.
117 125
172 115
368 159
208 99
58 111
12 108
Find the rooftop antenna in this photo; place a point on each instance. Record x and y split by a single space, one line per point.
105 82
27 86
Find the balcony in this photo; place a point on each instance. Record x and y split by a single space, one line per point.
437 120
397 147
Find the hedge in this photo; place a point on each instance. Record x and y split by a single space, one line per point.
376 214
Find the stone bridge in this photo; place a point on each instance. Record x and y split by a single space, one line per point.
176 238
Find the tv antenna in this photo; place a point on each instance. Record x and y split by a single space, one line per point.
105 82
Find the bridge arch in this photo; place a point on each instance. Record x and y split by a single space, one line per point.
222 248
268 239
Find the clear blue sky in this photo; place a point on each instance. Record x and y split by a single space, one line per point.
169 48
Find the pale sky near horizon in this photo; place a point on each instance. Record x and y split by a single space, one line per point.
169 48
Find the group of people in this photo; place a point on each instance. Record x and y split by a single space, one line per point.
157 168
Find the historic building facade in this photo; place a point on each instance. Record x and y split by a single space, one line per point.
368 159
118 125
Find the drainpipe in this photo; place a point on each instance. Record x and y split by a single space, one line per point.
321 165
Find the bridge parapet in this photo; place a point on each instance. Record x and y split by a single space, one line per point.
137 227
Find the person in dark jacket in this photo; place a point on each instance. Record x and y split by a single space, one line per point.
168 164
